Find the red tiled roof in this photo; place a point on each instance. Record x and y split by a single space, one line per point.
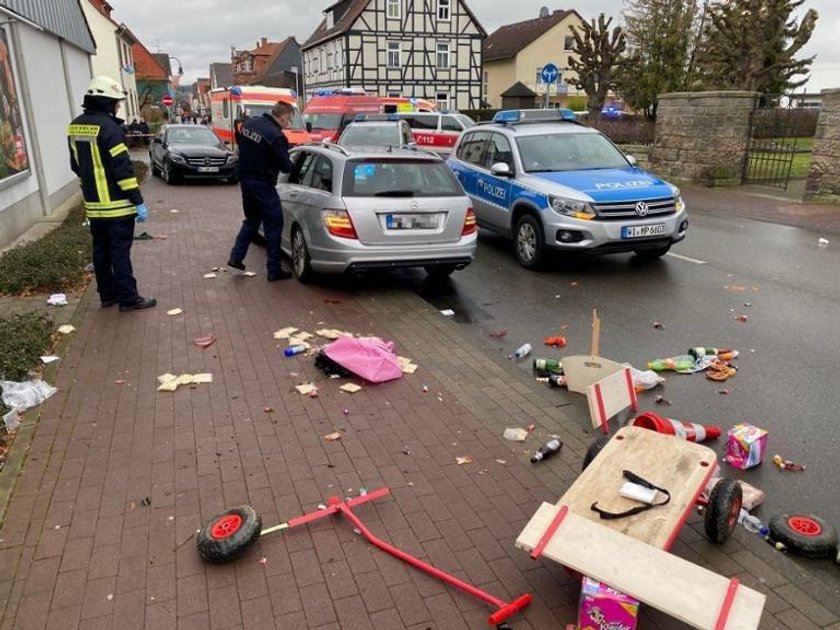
351 14
508 40
146 66
279 50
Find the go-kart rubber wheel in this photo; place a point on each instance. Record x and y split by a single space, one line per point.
229 534
723 510
593 450
804 534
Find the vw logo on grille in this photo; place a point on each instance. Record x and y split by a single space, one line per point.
642 209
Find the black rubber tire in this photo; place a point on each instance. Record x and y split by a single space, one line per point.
439 272
301 267
723 510
153 166
532 224
819 542
593 450
170 178
652 254
233 544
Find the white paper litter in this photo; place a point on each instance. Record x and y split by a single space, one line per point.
175 311
25 395
209 275
447 312
57 299
66 329
50 358
12 420
517 434
823 241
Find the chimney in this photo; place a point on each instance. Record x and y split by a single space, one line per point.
264 40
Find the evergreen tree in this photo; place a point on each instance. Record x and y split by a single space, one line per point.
752 45
660 38
598 53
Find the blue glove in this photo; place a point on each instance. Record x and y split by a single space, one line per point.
142 213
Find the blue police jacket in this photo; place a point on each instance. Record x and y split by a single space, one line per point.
263 149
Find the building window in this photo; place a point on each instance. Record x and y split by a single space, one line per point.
329 61
443 56
394 9
568 43
442 99
246 65
394 55
443 10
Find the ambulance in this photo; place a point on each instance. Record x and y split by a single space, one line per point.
229 106
327 114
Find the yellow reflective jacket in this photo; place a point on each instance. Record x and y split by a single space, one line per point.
99 156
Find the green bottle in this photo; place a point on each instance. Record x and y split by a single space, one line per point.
548 365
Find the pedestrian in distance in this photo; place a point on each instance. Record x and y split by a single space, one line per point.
111 193
263 154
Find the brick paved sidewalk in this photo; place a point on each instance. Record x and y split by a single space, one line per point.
80 550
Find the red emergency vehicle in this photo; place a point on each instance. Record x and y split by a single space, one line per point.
229 106
438 131
329 114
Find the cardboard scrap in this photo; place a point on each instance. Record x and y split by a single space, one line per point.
209 275
174 311
285 333
302 336
47 359
330 333
66 329
332 437
170 382
408 367
350 388
306 389
466 459
57 299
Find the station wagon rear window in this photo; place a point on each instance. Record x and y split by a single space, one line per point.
399 178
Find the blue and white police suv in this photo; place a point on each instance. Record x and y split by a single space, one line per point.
550 182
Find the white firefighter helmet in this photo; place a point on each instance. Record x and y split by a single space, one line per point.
107 87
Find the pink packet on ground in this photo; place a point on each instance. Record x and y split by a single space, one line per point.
602 608
746 446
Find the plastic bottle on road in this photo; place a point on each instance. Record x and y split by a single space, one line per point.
549 449
751 523
522 351
293 350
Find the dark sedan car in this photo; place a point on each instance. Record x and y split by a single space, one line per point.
181 152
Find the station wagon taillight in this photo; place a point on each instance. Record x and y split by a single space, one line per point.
339 223
469 223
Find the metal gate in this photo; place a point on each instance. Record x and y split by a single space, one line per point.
772 144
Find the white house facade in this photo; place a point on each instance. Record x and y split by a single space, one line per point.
428 49
113 52
44 72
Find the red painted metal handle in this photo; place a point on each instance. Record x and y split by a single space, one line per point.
334 504
510 609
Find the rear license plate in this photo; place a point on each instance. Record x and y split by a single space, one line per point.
640 231
208 169
411 222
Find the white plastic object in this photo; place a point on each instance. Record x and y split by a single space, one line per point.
637 492
522 351
751 523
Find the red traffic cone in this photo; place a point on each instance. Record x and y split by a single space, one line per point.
683 430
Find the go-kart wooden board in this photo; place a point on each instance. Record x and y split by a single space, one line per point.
681 467
584 370
677 587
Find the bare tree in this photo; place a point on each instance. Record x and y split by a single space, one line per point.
599 55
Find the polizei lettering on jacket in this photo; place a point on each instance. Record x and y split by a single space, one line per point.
253 136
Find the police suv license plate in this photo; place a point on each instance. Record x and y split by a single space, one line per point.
208 169
641 231
411 221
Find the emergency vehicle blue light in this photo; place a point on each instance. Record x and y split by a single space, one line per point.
507 116
236 91
567 114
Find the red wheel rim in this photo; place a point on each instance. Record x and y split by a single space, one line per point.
226 526
734 513
804 525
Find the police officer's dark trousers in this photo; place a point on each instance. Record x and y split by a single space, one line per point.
112 239
261 204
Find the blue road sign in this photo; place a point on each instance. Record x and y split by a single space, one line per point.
549 73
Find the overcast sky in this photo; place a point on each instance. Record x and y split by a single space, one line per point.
199 32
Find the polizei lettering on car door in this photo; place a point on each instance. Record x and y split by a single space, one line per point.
492 190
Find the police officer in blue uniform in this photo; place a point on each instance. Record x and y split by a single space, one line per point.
263 154
111 192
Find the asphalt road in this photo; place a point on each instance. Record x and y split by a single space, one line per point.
789 367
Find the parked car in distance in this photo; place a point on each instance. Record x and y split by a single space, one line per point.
376 131
552 183
180 152
352 210
438 131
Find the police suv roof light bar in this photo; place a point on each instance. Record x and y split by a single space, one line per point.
519 116
362 117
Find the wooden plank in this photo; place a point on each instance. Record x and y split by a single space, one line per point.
583 370
682 467
690 593
609 397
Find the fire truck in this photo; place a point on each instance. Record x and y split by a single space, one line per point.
231 106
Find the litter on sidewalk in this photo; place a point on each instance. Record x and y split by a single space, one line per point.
170 382
350 388
209 275
330 333
57 299
205 341
332 437
66 329
516 434
746 446
786 464
285 333
12 420
447 312
50 358
306 389
25 395
466 459
407 365
174 311
370 358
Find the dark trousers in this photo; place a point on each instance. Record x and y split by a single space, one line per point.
261 204
112 239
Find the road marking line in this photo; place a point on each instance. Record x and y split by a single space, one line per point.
687 259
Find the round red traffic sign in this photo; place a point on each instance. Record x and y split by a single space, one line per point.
166 101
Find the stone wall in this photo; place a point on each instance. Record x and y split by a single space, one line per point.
824 176
702 136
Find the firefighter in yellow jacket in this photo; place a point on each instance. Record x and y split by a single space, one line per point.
99 156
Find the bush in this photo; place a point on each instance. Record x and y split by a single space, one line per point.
23 338
52 264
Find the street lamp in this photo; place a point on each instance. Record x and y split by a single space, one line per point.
180 67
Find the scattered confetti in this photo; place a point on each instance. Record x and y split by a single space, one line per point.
466 459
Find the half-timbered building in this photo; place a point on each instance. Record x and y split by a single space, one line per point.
423 48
